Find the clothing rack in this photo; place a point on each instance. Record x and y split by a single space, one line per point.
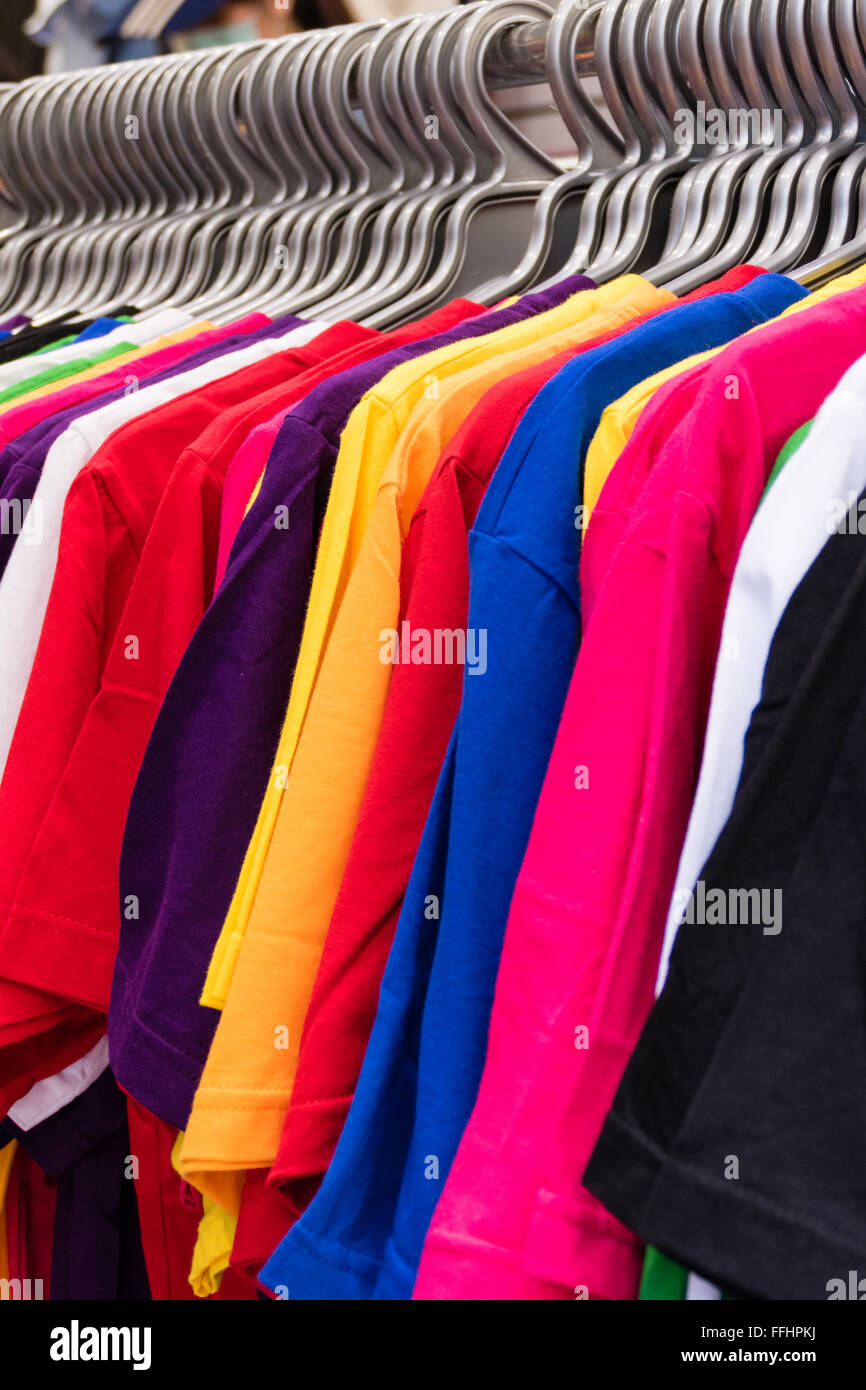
271 125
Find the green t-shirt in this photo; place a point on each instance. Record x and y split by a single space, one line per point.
60 372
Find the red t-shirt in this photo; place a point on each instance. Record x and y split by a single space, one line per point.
134 574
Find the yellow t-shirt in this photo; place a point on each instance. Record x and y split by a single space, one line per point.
619 419
366 444
240 1106
210 1258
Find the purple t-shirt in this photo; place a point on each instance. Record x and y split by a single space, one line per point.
204 774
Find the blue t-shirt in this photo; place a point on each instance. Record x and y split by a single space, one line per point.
363 1233
99 328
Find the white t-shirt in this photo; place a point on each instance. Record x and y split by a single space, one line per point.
789 530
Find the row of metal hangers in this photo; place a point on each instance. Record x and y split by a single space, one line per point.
366 172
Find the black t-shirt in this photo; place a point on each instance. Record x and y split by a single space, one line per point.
33 337
737 1138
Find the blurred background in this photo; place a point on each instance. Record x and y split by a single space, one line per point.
56 35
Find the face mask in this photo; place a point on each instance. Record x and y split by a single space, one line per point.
212 38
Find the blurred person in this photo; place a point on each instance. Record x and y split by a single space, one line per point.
19 56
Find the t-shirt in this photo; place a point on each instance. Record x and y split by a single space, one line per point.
245 473
28 576
169 1213
328 409
417 723
250 328
753 1051
584 920
97 1251
16 419
40 1049
29 1212
129 335
23 595
46 1097
438 983
51 336
663 1278
49 377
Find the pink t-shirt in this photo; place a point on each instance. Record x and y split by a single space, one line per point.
244 471
588 912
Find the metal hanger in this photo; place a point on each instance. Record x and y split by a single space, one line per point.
97 264
382 170
179 257
299 235
556 218
514 171
707 200
403 236
754 30
279 109
56 205
66 283
449 162
16 211
397 135
843 209
27 113
288 158
837 257
359 174
642 118
692 197
608 184
812 49
637 222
